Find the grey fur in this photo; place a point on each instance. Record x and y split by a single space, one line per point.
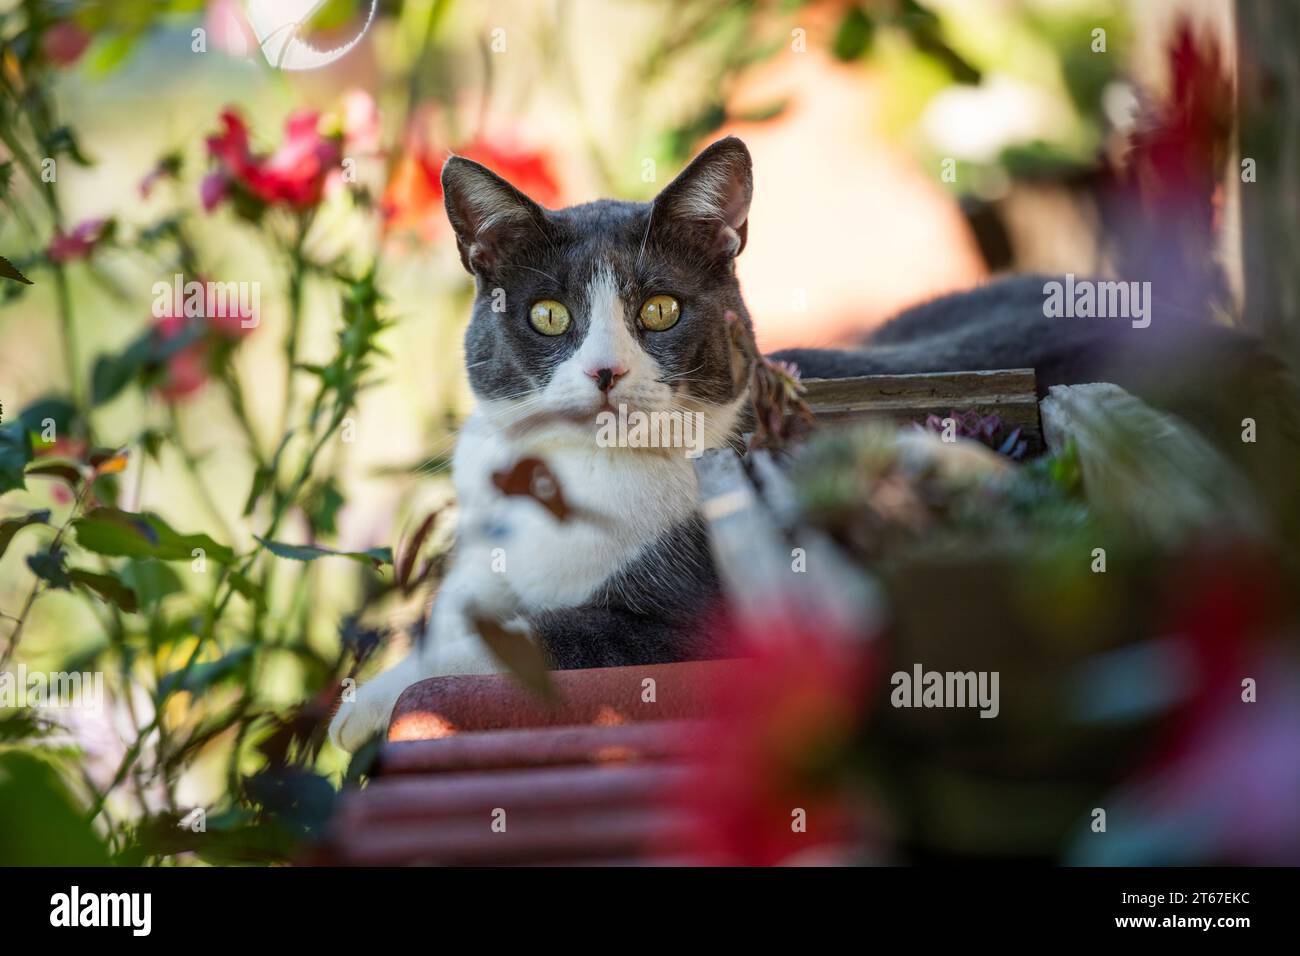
1002 325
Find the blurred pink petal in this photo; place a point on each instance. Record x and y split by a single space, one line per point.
360 122
228 28
64 42
212 190
77 244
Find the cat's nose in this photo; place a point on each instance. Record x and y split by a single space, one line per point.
607 377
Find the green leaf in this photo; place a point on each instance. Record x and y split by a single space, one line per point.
54 408
15 453
48 566
44 824
310 552
363 760
125 534
262 479
11 526
26 724
322 507
9 271
112 373
144 355
111 52
199 677
854 36
63 141
56 469
332 15
109 587
151 580
763 114
250 590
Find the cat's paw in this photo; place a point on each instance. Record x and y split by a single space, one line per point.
369 712
355 723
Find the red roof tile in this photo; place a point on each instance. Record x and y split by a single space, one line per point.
479 770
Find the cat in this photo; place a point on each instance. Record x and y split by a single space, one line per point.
612 303
625 581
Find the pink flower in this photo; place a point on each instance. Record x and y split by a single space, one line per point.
293 176
64 42
213 190
186 370
228 27
360 120
78 244
228 321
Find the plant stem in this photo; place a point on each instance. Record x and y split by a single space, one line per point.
297 273
68 334
195 473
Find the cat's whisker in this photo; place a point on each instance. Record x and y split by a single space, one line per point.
678 377
515 265
645 237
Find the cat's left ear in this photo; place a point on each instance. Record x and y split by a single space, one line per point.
710 198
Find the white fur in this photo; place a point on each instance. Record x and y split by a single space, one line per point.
627 498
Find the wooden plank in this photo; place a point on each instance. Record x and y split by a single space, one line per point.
442 706
756 558
529 837
436 797
1008 393
540 747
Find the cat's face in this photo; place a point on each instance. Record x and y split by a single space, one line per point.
584 310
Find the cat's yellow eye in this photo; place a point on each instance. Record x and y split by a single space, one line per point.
660 312
549 317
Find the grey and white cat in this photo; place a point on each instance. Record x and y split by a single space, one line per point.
611 303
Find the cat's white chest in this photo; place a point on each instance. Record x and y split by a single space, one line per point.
622 501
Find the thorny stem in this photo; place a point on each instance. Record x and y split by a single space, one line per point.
16 635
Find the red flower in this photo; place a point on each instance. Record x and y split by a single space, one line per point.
1163 206
293 176
413 198
769 787
64 42
78 244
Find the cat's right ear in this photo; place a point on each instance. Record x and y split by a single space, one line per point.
486 212
708 202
